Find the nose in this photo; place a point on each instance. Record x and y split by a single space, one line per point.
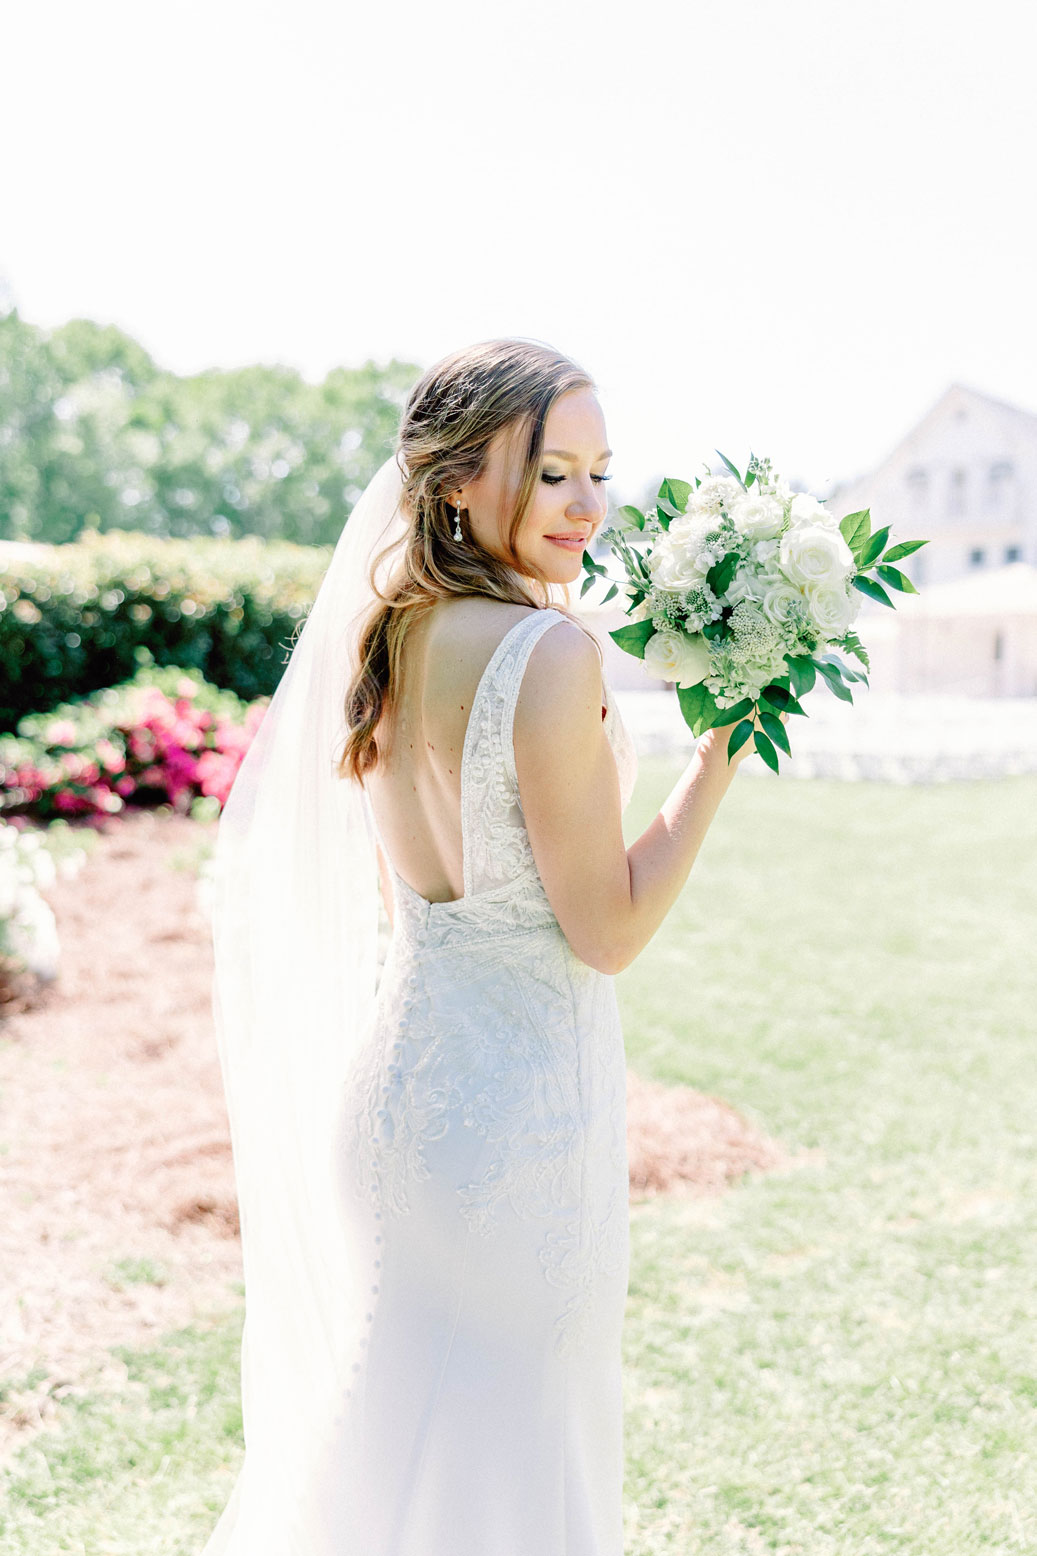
590 502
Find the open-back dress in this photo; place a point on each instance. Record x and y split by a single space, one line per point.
485 1135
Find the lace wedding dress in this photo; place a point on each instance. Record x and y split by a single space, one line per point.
484 1157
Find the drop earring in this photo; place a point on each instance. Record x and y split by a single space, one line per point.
457 526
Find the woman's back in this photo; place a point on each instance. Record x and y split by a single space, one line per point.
415 790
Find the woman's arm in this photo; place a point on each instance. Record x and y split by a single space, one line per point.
608 899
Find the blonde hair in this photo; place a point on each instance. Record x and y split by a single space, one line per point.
451 417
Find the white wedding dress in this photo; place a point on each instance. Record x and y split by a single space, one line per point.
478 1182
484 1156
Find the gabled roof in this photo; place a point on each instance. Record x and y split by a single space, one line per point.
1026 421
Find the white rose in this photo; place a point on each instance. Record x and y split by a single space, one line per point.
673 656
778 597
665 569
807 510
812 554
832 607
757 516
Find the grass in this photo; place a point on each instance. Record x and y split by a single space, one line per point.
831 1360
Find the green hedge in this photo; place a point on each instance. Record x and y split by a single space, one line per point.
73 618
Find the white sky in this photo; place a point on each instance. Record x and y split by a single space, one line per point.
784 224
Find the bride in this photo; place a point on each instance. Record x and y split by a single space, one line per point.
431 1159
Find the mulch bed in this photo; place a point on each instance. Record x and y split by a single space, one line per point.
118 1217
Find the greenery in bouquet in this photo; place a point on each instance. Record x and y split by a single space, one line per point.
739 590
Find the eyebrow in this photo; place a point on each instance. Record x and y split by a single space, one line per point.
564 454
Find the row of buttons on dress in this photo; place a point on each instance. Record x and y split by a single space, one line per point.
397 1048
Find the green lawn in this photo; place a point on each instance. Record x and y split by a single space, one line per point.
836 1359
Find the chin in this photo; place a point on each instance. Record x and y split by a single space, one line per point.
559 567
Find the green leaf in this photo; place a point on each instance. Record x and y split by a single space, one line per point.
676 492
776 730
896 579
835 680
766 750
856 527
632 516
587 582
633 637
749 478
670 509
781 698
731 467
873 590
591 565
856 647
697 706
874 546
722 572
739 735
802 674
733 714
845 670
606 597
899 552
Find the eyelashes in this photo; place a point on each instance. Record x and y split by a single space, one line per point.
553 480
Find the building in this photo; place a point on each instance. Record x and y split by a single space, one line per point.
966 478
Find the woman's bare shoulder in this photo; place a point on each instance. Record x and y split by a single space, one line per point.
465 631
562 679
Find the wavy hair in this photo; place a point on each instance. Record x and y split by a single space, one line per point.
451 417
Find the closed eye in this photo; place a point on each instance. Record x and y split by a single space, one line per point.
553 480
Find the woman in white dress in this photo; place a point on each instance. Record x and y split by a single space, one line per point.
432 1164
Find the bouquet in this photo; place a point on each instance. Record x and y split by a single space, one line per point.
739 590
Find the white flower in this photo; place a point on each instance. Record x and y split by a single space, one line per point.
779 597
745 585
807 510
674 656
684 555
758 517
832 607
716 494
753 636
670 568
814 554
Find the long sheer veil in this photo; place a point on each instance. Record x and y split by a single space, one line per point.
295 927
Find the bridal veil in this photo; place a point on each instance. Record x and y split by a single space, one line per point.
295 935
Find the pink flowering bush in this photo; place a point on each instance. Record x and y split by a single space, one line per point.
166 737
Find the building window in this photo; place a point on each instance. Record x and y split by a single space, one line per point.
999 481
1013 553
976 556
918 485
957 495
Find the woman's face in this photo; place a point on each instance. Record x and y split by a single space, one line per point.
569 502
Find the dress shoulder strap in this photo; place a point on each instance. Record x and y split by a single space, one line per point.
490 816
519 658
